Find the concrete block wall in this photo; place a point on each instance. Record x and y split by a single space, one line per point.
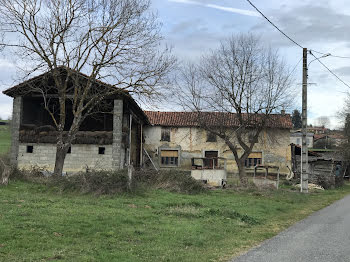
117 149
15 125
81 156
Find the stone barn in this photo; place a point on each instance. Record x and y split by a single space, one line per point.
105 140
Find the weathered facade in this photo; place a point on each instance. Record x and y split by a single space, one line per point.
172 141
108 140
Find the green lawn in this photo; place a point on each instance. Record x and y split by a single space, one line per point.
5 139
40 224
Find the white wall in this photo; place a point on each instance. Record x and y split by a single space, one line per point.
81 156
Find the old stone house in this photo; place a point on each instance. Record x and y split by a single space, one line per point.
106 140
174 138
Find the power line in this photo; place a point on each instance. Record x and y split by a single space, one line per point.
273 24
330 70
295 67
329 54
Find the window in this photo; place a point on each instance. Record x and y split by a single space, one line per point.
253 159
30 149
211 158
165 136
211 137
101 150
69 150
169 157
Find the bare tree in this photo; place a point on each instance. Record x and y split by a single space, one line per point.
117 41
244 83
344 117
323 121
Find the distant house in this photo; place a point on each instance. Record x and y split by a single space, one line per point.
317 129
174 138
296 139
329 141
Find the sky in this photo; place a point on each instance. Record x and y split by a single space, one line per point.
194 27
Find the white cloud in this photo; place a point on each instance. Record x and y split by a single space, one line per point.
219 7
325 103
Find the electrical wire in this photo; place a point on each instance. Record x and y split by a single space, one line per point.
273 24
295 67
310 50
330 70
329 54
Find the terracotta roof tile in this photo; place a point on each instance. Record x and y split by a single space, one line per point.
190 119
332 136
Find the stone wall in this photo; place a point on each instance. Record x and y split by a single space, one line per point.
274 145
81 156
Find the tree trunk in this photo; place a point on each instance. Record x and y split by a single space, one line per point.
242 173
5 175
61 153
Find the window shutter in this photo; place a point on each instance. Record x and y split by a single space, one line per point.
169 153
255 155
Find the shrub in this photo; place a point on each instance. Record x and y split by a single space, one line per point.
34 174
112 182
172 180
96 182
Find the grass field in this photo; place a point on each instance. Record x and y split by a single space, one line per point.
41 224
5 139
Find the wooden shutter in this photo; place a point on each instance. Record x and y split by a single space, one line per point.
169 153
255 155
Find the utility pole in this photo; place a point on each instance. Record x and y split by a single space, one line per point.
304 176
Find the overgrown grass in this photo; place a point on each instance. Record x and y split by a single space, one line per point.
5 139
39 224
103 182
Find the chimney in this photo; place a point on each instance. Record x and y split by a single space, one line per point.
283 112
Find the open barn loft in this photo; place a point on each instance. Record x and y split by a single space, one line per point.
109 138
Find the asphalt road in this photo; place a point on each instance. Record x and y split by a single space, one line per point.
322 237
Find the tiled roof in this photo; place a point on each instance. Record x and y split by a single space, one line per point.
191 119
332 136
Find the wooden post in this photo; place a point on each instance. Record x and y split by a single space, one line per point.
130 175
130 133
130 166
141 146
